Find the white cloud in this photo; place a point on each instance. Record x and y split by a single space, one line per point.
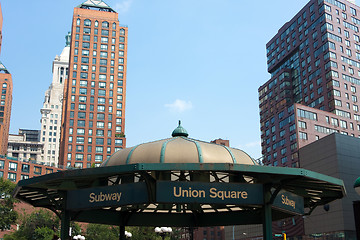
123 6
179 106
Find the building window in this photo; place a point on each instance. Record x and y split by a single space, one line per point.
12 166
355 108
303 135
78 165
343 124
12 176
37 170
25 168
98 158
354 98
118 142
80 139
353 11
335 122
86 38
79 157
105 24
87 22
307 114
86 30
99 149
302 124
24 176
99 141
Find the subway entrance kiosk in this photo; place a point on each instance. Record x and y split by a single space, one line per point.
180 182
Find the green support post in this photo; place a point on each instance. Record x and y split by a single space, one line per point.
122 233
65 225
267 217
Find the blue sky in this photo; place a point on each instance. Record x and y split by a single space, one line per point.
198 61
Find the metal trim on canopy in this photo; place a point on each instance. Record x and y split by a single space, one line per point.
50 191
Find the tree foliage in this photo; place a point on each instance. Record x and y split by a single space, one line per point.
99 231
176 234
75 229
43 233
7 213
38 225
143 233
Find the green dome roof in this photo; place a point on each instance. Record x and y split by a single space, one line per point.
179 149
180 131
357 183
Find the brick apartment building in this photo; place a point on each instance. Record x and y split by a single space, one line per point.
5 106
314 89
93 116
314 62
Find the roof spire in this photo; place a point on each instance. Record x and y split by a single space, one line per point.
3 68
96 4
67 39
179 131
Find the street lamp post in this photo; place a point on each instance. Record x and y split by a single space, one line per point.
162 231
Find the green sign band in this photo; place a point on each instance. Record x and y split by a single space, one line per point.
181 192
219 193
289 202
118 195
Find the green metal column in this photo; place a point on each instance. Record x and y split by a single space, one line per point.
267 217
191 231
65 225
122 233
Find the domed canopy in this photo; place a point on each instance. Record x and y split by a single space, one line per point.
357 183
200 184
179 149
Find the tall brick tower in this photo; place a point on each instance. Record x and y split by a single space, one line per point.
93 116
6 99
5 107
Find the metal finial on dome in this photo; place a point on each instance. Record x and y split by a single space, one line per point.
179 131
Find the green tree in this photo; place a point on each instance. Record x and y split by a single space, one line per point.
144 233
39 225
14 237
7 213
99 231
176 233
75 229
43 233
